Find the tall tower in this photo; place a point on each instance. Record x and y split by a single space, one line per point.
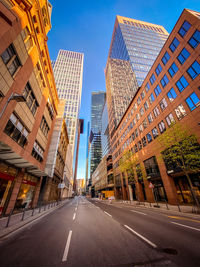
68 73
97 104
134 47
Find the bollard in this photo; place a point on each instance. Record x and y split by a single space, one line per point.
9 216
32 211
23 214
179 207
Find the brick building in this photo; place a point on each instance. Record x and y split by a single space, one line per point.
169 93
25 75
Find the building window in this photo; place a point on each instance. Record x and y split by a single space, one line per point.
137 116
138 101
50 109
134 121
152 79
155 132
156 112
184 28
165 58
147 87
37 152
163 104
144 123
150 118
139 145
151 167
183 56
171 95
170 119
180 112
140 128
161 126
173 69
158 69
195 39
141 111
136 148
142 94
174 44
193 101
151 98
136 132
157 90
11 60
164 81
135 107
181 84
15 129
149 138
144 141
194 70
146 105
30 98
133 136
44 126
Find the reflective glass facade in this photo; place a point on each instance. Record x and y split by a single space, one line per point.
134 47
97 104
68 73
105 137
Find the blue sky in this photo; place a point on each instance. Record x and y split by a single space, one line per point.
86 26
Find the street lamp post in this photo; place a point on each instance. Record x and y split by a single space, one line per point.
13 96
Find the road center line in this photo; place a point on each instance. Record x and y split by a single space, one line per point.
76 208
139 212
67 246
74 216
142 237
107 213
186 226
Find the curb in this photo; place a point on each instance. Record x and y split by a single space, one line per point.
10 230
189 214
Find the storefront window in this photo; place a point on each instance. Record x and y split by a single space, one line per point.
26 192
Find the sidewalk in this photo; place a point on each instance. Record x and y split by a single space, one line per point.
18 220
192 210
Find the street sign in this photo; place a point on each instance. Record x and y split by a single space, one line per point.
151 185
61 185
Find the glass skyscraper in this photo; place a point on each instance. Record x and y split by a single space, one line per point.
134 47
68 73
97 104
105 137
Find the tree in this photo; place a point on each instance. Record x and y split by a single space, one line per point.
128 164
182 151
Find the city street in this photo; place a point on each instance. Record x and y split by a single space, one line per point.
92 233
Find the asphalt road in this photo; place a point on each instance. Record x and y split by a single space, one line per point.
90 233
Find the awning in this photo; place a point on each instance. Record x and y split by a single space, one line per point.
12 158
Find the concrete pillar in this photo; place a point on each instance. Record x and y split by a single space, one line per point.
37 192
168 182
15 191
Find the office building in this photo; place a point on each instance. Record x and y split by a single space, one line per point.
105 137
169 94
68 73
97 104
28 104
134 47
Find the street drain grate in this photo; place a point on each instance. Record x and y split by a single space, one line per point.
171 251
